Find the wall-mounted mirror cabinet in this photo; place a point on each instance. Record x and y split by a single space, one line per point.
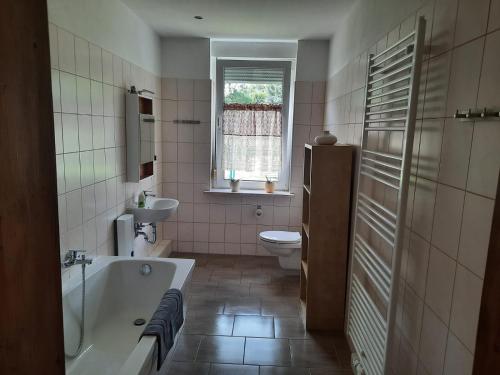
140 124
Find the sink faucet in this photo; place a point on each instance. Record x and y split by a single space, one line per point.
73 257
149 193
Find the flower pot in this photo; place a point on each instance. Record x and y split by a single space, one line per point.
326 139
269 186
235 186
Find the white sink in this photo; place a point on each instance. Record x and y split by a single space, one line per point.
156 209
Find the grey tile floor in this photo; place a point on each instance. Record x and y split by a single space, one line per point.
243 318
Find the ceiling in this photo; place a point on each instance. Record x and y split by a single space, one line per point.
259 19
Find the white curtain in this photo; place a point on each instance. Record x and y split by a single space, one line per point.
252 140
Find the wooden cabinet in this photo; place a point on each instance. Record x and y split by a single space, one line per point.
325 235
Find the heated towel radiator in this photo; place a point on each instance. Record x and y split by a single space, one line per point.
393 80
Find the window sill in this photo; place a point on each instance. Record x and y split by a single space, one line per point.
248 192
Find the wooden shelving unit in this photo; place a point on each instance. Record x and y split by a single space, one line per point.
325 235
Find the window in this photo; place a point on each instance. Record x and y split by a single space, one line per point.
252 131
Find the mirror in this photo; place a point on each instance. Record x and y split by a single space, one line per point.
147 139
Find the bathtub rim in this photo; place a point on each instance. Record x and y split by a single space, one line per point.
137 358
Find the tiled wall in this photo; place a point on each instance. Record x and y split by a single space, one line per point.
454 179
217 223
88 88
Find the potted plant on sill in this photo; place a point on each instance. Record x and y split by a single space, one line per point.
269 186
234 184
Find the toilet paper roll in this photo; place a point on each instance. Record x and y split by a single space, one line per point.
258 212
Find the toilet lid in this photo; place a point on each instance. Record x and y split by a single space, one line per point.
280 236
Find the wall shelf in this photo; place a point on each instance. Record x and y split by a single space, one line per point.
325 234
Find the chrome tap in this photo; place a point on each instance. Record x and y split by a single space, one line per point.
149 193
73 257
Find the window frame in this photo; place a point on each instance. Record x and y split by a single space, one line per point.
218 181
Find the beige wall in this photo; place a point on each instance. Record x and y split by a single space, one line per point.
454 173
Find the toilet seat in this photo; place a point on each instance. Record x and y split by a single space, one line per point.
280 237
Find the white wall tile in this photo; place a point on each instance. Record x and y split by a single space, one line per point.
185 89
185 110
429 152
169 110
303 92
185 212
281 215
111 193
87 168
185 172
458 360
185 152
455 152
217 214
119 102
472 20
58 134
100 197
484 159
464 76
88 202
494 18
85 132
447 219
74 208
466 305
475 234
216 233
96 98
411 324
72 171
186 231
202 111
440 278
169 88
302 114
68 92
110 162
56 90
61 183
202 212
433 343
443 27
99 165
233 214
423 212
202 89
109 131
90 237
232 233
418 262
108 100
201 232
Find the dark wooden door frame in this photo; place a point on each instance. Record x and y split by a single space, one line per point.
31 329
487 357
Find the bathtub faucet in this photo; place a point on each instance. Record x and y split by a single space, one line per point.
73 257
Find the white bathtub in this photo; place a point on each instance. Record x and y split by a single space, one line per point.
117 294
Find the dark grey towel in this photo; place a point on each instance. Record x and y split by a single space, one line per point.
165 323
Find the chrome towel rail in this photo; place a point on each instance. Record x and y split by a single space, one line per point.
392 84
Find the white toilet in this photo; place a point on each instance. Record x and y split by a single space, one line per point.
285 245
